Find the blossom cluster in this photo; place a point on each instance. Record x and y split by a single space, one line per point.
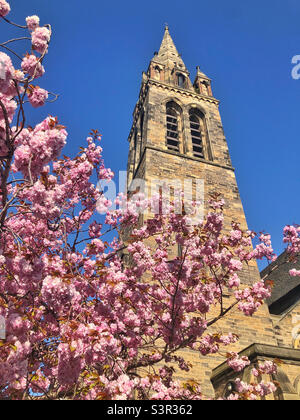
16 82
291 236
246 391
236 362
4 8
250 299
268 367
32 66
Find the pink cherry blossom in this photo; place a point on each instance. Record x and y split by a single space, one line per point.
37 96
7 72
10 106
32 66
234 281
237 363
268 367
40 39
36 148
4 8
32 22
244 391
19 75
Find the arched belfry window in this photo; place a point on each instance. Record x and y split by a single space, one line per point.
199 135
136 152
172 128
196 133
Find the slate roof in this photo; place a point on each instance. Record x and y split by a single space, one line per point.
286 290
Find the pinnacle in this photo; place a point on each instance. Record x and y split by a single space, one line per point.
200 73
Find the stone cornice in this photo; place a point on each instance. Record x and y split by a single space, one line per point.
184 92
181 155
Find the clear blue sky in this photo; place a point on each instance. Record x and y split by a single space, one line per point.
99 50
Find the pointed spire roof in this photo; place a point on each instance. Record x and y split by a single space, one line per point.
168 53
201 74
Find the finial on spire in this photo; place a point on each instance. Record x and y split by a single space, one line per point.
166 26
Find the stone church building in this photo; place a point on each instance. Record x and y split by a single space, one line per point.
177 133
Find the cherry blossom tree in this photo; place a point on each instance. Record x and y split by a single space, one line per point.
81 324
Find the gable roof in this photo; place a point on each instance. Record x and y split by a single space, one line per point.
286 289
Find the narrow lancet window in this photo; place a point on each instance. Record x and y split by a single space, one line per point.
196 136
181 80
172 130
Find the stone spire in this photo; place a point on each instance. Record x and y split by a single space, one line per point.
168 54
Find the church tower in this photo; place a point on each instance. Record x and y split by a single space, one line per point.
177 133
177 130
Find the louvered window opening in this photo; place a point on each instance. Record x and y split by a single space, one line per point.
196 137
172 131
181 80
